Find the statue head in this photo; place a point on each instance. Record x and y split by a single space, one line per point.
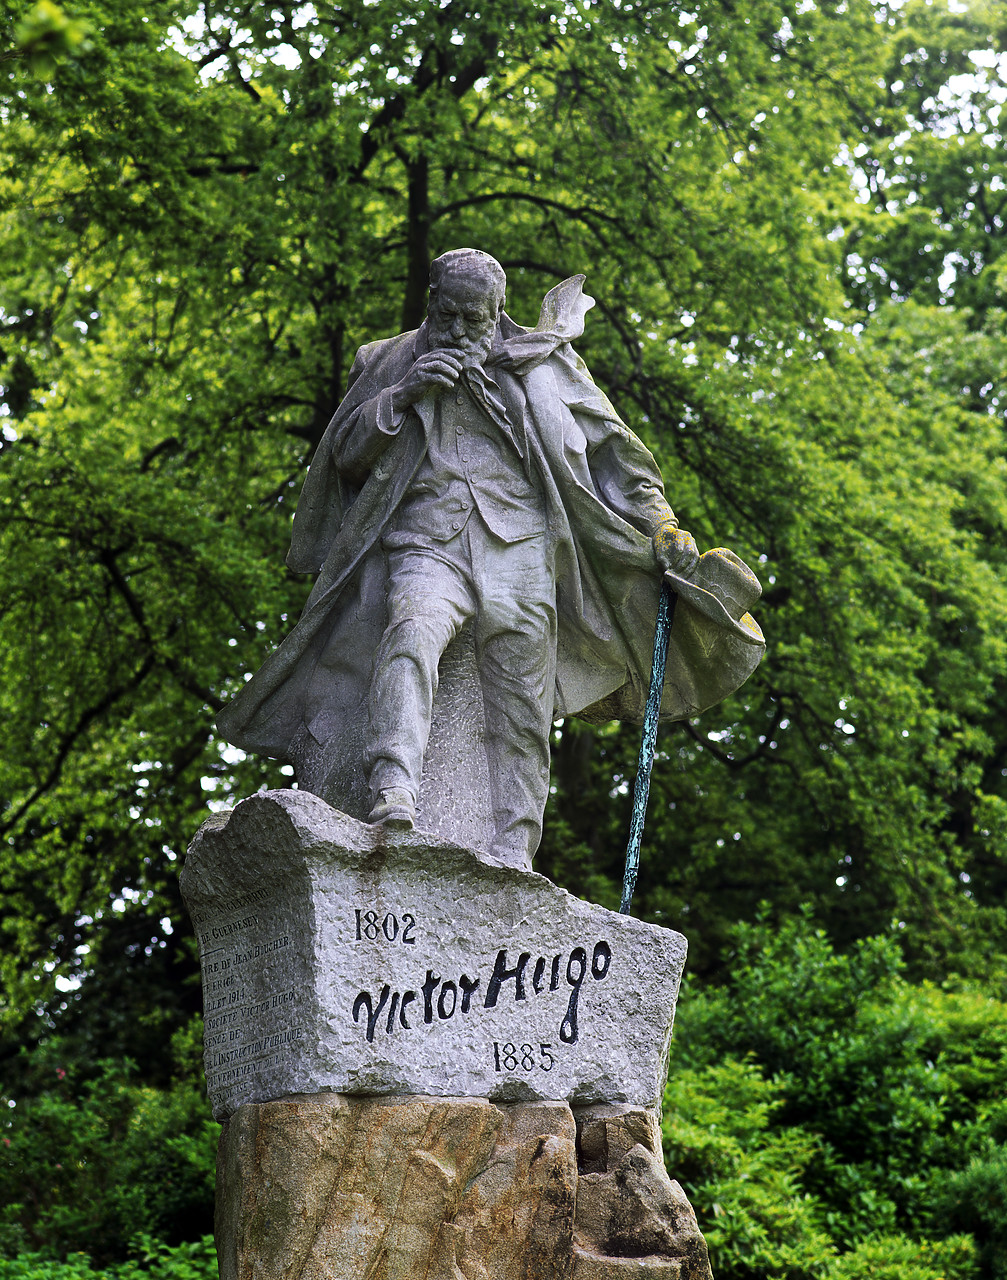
466 296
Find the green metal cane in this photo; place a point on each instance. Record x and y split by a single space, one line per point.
641 788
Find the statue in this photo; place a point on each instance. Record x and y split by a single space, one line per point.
489 540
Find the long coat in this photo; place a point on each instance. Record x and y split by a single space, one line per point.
603 499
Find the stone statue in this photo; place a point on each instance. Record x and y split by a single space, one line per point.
490 542
489 539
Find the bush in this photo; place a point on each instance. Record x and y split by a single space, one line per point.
744 1178
829 1119
89 1164
975 1200
897 1258
155 1261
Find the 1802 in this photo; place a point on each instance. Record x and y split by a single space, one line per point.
370 927
522 1057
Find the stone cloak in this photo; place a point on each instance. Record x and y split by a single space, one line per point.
607 581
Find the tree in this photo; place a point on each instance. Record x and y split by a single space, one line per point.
214 205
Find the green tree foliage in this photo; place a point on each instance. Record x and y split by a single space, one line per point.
91 1159
790 214
860 769
208 209
931 181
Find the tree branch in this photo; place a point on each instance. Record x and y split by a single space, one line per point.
70 738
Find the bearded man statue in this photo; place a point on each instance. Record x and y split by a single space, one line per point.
489 540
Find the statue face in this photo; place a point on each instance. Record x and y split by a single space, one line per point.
463 315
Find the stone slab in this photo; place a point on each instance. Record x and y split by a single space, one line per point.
340 956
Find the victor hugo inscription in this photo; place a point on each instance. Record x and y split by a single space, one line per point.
445 997
524 1011
333 959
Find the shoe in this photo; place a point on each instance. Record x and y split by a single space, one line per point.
395 808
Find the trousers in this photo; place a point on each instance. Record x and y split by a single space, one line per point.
506 590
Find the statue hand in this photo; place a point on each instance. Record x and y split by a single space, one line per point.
675 549
432 370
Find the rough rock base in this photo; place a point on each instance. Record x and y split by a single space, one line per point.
330 1187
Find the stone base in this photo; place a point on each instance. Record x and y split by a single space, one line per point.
340 956
330 1187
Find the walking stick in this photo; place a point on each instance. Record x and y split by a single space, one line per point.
641 788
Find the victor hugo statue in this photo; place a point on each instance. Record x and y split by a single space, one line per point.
489 539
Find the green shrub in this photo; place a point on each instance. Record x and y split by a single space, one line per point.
898 1258
89 1164
825 1115
195 1260
743 1178
975 1199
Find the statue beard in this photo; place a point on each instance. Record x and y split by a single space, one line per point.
473 351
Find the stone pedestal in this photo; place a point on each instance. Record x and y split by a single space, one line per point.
328 1187
428 1066
338 956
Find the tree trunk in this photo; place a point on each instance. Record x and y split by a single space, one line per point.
417 243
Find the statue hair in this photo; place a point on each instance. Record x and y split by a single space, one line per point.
469 262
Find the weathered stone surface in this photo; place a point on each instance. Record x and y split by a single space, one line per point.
627 1206
342 956
335 1188
606 1133
636 1211
517 1216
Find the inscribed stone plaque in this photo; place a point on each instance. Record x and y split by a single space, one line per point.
340 956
